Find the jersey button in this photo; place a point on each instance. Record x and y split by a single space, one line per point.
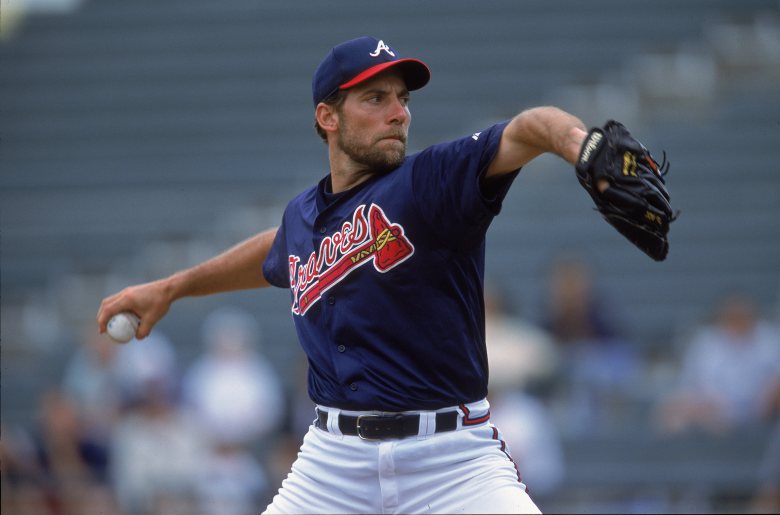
353 386
341 348
331 299
323 229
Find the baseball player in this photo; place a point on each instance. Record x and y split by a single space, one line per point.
384 259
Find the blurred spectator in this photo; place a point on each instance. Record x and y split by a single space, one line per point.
91 381
232 482
767 496
730 372
55 468
300 416
600 365
233 389
141 363
19 473
158 450
62 447
532 438
575 312
519 353
237 399
26 488
523 362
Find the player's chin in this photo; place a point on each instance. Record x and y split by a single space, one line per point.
386 162
396 158
387 150
395 148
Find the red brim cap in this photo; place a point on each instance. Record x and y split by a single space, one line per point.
415 72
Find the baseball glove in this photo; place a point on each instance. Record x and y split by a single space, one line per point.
636 202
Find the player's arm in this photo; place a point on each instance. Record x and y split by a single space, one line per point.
239 268
534 132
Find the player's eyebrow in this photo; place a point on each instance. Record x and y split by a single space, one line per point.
380 90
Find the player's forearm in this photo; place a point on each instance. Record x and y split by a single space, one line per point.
239 268
549 129
534 132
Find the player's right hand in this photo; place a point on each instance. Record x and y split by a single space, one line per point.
149 301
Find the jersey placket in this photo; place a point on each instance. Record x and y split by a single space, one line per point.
346 366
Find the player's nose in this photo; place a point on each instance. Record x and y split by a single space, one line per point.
399 111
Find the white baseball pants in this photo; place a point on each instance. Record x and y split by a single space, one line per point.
468 470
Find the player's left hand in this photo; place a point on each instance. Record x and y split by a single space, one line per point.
627 185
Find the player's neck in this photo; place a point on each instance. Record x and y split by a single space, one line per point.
345 173
353 165
341 183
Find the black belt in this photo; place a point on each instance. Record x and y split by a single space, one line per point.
384 427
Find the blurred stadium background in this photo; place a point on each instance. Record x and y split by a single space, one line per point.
138 138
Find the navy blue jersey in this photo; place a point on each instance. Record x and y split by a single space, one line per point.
387 277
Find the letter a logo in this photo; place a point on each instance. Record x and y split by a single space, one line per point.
381 46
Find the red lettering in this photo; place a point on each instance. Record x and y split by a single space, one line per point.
356 243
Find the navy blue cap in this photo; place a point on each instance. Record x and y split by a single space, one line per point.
356 60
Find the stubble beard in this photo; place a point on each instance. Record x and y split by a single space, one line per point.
372 158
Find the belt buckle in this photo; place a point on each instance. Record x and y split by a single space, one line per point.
358 427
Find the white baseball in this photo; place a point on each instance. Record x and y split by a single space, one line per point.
122 327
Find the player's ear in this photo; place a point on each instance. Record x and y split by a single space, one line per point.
327 116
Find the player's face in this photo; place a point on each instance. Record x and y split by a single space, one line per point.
374 122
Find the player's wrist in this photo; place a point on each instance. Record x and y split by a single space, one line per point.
172 288
575 137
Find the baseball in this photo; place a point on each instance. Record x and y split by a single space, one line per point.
122 326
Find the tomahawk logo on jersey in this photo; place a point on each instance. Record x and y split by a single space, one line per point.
366 238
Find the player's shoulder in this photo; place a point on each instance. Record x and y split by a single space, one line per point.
303 202
305 196
459 147
470 139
